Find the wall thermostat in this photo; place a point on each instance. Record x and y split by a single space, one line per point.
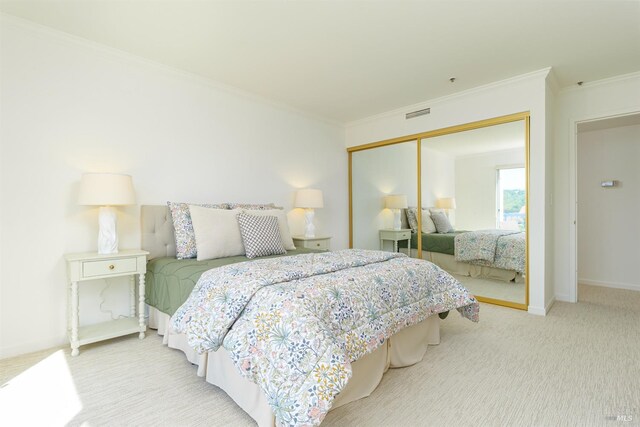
607 184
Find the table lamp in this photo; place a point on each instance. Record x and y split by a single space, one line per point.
447 203
106 190
395 202
309 199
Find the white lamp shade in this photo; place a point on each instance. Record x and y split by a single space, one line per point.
309 199
106 189
395 201
446 203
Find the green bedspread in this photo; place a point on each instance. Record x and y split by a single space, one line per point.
169 281
434 242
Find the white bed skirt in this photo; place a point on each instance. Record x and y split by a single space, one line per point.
448 263
405 348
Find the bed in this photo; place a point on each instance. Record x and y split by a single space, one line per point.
491 254
168 293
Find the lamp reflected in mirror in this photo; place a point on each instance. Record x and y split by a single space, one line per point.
464 206
396 202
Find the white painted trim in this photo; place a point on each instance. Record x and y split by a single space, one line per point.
609 80
538 311
616 285
562 297
573 211
32 346
549 304
573 185
431 102
552 81
121 55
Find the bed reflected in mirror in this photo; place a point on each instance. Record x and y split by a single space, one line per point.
474 218
471 182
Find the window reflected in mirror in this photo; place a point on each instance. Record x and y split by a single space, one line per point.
484 171
471 184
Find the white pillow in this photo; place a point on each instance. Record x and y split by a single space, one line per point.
427 223
283 224
217 232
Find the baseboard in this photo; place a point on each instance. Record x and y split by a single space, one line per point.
616 285
538 311
30 347
549 305
542 311
562 297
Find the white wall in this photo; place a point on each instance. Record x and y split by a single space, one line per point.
608 226
605 98
376 173
70 106
522 93
438 176
476 187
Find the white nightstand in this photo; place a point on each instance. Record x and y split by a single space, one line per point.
395 235
91 266
318 242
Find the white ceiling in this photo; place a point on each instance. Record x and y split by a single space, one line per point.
484 140
345 60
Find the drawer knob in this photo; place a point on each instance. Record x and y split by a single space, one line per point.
317 244
111 267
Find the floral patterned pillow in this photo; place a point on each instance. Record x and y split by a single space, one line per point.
251 206
185 236
411 219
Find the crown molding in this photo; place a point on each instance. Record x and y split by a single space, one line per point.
552 81
430 103
602 82
117 54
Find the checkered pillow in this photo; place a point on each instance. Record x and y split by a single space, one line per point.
260 235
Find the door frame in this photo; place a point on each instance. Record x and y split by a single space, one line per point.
573 191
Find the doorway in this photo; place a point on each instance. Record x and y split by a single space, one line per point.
607 154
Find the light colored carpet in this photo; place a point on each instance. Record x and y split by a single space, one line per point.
578 366
498 289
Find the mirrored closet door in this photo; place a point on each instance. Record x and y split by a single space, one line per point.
384 182
471 182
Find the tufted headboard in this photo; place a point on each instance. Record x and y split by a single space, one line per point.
157 231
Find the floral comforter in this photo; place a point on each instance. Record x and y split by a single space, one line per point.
494 248
293 325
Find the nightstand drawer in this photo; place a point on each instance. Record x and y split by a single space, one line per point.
320 243
402 235
395 234
317 244
108 267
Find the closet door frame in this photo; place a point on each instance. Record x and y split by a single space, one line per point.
524 116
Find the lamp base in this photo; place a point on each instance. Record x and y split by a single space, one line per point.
309 229
108 235
397 223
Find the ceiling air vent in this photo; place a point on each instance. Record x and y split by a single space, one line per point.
418 113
